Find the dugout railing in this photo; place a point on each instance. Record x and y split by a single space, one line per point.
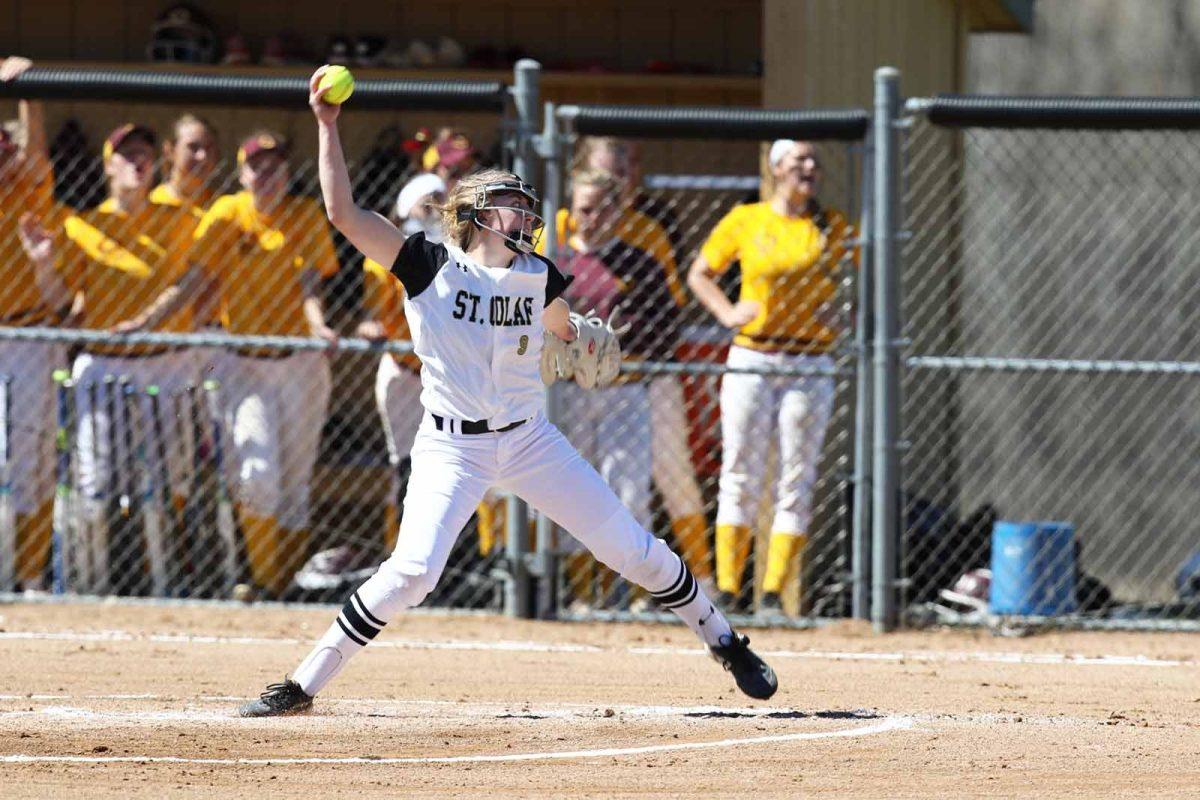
1046 362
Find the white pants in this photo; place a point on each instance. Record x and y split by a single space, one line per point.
275 409
450 474
398 398
673 472
611 429
30 367
758 408
98 433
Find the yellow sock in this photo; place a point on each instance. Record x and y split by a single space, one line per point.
391 526
262 549
293 553
733 548
781 556
691 537
578 569
33 542
486 523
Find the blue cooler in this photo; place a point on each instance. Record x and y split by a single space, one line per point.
1033 568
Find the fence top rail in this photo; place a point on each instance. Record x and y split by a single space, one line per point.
1059 112
53 83
703 122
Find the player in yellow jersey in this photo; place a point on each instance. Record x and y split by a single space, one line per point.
791 251
190 159
124 265
266 252
27 185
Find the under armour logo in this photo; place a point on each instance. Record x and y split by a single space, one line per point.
463 267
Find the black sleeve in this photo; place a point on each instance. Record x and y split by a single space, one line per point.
418 263
556 282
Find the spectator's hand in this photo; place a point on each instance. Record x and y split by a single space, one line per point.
37 242
128 326
371 329
742 313
327 333
14 67
324 112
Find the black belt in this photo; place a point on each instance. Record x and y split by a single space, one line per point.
472 427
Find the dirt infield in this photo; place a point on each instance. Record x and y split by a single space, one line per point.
108 700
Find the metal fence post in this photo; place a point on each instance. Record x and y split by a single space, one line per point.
860 559
885 511
527 75
550 150
518 589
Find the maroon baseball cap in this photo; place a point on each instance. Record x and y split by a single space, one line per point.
454 151
125 133
262 143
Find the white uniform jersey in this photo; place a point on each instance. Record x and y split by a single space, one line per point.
477 330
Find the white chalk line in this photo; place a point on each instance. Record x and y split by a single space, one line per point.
371 707
889 724
187 638
982 657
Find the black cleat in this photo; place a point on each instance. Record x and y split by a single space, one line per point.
279 699
753 675
770 604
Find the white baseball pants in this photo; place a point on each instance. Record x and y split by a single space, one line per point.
398 399
171 372
30 367
754 410
275 409
610 428
535 461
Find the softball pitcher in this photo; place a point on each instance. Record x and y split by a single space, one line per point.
124 263
266 251
26 298
791 251
478 306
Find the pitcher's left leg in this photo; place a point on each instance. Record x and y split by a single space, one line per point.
538 463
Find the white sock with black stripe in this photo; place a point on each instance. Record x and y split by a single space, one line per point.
685 597
353 629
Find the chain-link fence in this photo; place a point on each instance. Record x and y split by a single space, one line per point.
225 447
1023 382
1050 309
729 437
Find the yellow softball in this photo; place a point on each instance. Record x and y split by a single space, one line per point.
340 83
